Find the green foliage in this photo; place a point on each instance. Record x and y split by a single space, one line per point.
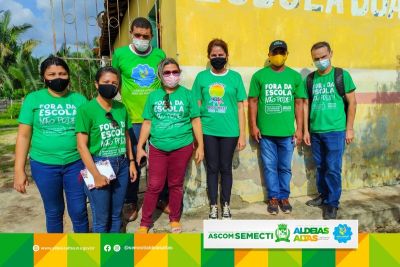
82 70
18 69
13 111
5 123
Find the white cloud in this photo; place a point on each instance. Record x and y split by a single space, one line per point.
20 14
41 19
77 26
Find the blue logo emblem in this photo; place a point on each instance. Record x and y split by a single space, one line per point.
342 233
143 75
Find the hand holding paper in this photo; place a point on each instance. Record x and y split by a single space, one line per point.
106 175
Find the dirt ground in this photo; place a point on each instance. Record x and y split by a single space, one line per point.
24 213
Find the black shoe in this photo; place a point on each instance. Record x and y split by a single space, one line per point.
330 213
272 207
316 202
285 205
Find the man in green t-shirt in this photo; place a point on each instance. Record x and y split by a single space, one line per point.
138 64
331 126
275 104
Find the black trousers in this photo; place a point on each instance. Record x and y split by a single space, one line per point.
219 153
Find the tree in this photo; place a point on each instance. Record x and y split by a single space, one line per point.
9 39
18 69
82 67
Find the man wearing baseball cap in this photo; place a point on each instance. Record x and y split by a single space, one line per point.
275 104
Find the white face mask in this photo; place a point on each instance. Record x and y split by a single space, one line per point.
322 64
171 81
140 44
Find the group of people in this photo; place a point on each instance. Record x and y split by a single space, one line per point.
66 134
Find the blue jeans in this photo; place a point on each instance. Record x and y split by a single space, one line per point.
52 181
276 155
106 202
133 188
327 150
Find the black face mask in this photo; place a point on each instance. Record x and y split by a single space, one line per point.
218 63
108 91
57 85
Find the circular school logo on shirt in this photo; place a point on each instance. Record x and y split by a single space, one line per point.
216 91
143 75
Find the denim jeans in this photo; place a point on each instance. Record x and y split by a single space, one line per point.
52 181
276 156
133 188
327 150
106 202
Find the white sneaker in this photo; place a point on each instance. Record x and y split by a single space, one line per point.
226 212
213 215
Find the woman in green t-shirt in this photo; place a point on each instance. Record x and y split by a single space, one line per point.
103 142
47 129
171 116
220 94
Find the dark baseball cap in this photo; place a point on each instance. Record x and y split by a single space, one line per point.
277 44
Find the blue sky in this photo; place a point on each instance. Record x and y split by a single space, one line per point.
38 13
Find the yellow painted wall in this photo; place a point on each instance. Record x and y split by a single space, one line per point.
366 45
168 28
365 41
358 41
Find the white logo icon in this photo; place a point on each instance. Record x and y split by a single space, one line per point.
36 248
117 248
107 248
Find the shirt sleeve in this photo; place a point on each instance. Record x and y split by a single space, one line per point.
196 89
83 100
127 119
299 88
349 85
241 91
147 111
82 122
115 60
194 107
305 87
254 90
26 113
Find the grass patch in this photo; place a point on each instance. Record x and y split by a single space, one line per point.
8 123
7 149
8 131
7 164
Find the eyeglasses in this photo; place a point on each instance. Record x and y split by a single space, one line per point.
166 101
114 123
144 36
174 72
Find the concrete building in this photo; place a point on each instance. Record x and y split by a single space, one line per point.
365 40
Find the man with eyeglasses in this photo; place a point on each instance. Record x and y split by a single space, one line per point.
329 114
137 63
275 105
